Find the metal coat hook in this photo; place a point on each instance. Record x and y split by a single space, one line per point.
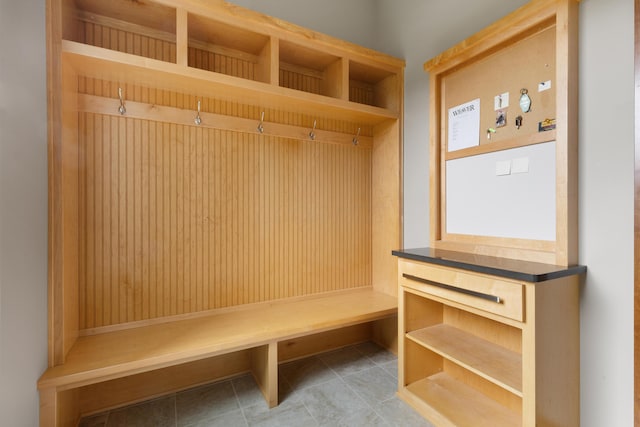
122 108
312 134
355 138
198 120
260 125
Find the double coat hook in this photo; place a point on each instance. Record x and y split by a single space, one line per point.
312 134
261 124
122 110
355 138
198 120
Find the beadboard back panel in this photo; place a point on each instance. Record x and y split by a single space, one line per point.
178 219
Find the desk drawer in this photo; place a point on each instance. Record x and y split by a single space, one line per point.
481 292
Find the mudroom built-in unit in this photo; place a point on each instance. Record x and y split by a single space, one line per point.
224 195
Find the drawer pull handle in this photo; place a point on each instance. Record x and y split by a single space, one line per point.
488 297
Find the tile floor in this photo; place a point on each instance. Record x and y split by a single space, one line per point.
353 386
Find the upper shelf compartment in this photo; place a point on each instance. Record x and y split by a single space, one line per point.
311 70
141 27
226 49
373 86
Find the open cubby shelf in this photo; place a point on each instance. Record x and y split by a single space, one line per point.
255 53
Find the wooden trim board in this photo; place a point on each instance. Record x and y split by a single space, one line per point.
636 230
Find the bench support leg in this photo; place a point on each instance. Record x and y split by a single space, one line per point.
59 408
264 366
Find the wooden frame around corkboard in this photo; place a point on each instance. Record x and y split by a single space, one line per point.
532 47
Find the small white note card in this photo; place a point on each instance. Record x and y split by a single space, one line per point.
501 101
503 168
520 165
542 86
464 126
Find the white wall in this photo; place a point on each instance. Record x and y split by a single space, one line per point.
606 211
412 29
351 20
23 210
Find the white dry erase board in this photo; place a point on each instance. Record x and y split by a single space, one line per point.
509 193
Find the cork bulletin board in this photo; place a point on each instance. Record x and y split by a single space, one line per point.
503 124
526 64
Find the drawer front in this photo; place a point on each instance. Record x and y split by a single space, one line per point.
480 292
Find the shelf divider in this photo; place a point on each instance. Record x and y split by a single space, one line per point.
182 37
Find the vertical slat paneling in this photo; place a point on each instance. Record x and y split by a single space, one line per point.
82 219
180 219
361 93
168 214
130 229
119 40
119 290
299 81
219 63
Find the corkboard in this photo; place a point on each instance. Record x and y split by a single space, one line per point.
523 64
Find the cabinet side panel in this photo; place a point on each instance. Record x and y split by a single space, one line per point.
70 219
63 192
385 205
54 113
551 353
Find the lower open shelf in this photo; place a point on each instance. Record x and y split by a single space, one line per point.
490 361
454 403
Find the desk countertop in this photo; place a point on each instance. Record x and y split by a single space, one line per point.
502 267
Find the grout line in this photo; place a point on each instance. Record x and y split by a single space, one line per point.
235 392
354 391
175 408
372 407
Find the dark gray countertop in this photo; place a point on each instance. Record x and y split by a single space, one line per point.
502 267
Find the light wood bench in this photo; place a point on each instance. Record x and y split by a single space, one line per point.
151 360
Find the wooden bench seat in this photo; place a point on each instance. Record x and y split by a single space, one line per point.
256 328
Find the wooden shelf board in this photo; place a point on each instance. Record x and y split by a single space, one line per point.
506 144
126 352
460 404
96 62
149 14
494 363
